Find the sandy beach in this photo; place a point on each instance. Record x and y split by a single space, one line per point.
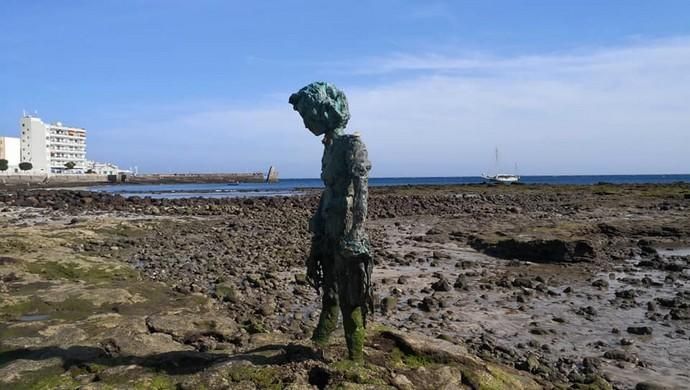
516 286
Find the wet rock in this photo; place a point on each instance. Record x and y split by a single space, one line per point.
640 330
442 285
588 311
530 364
183 325
474 372
402 382
539 331
429 304
650 386
14 372
627 294
591 364
620 355
226 291
125 341
267 309
680 313
600 283
415 317
461 282
647 251
593 382
440 255
627 342
446 377
522 282
537 250
255 280
388 304
651 306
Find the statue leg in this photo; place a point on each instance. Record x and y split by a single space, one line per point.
328 320
354 331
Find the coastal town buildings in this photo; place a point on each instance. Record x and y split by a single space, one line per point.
100 168
52 147
9 150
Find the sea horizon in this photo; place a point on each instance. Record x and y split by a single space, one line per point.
294 186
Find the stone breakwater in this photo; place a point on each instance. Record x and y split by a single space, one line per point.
24 180
580 286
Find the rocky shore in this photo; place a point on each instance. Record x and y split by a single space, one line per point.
519 287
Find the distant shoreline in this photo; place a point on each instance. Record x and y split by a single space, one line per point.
200 184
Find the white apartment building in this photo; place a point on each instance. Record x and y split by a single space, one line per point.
48 147
9 150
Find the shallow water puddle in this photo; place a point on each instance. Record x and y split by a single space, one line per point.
34 317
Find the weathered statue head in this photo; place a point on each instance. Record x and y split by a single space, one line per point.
323 108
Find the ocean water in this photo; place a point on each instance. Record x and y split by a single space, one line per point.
288 187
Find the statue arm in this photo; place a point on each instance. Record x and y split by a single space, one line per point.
356 243
359 206
314 259
356 240
360 167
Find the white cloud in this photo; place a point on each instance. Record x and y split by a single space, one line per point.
609 110
620 110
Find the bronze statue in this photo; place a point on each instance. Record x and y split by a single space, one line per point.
340 260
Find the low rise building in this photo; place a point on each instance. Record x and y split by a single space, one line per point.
103 168
10 151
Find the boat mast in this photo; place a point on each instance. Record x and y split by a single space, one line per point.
496 164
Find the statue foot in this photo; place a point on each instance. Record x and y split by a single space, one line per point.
319 340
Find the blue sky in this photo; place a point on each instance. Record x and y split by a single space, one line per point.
561 87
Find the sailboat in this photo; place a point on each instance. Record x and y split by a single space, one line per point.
501 178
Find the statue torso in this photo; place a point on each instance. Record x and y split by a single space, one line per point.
335 211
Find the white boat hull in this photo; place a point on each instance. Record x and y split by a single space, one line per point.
502 178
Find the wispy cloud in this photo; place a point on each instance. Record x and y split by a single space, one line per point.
640 54
607 110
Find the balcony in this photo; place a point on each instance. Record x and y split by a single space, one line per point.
55 142
67 151
77 137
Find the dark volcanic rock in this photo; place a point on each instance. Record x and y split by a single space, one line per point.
640 330
681 313
461 282
442 285
650 386
621 355
626 294
600 283
537 250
